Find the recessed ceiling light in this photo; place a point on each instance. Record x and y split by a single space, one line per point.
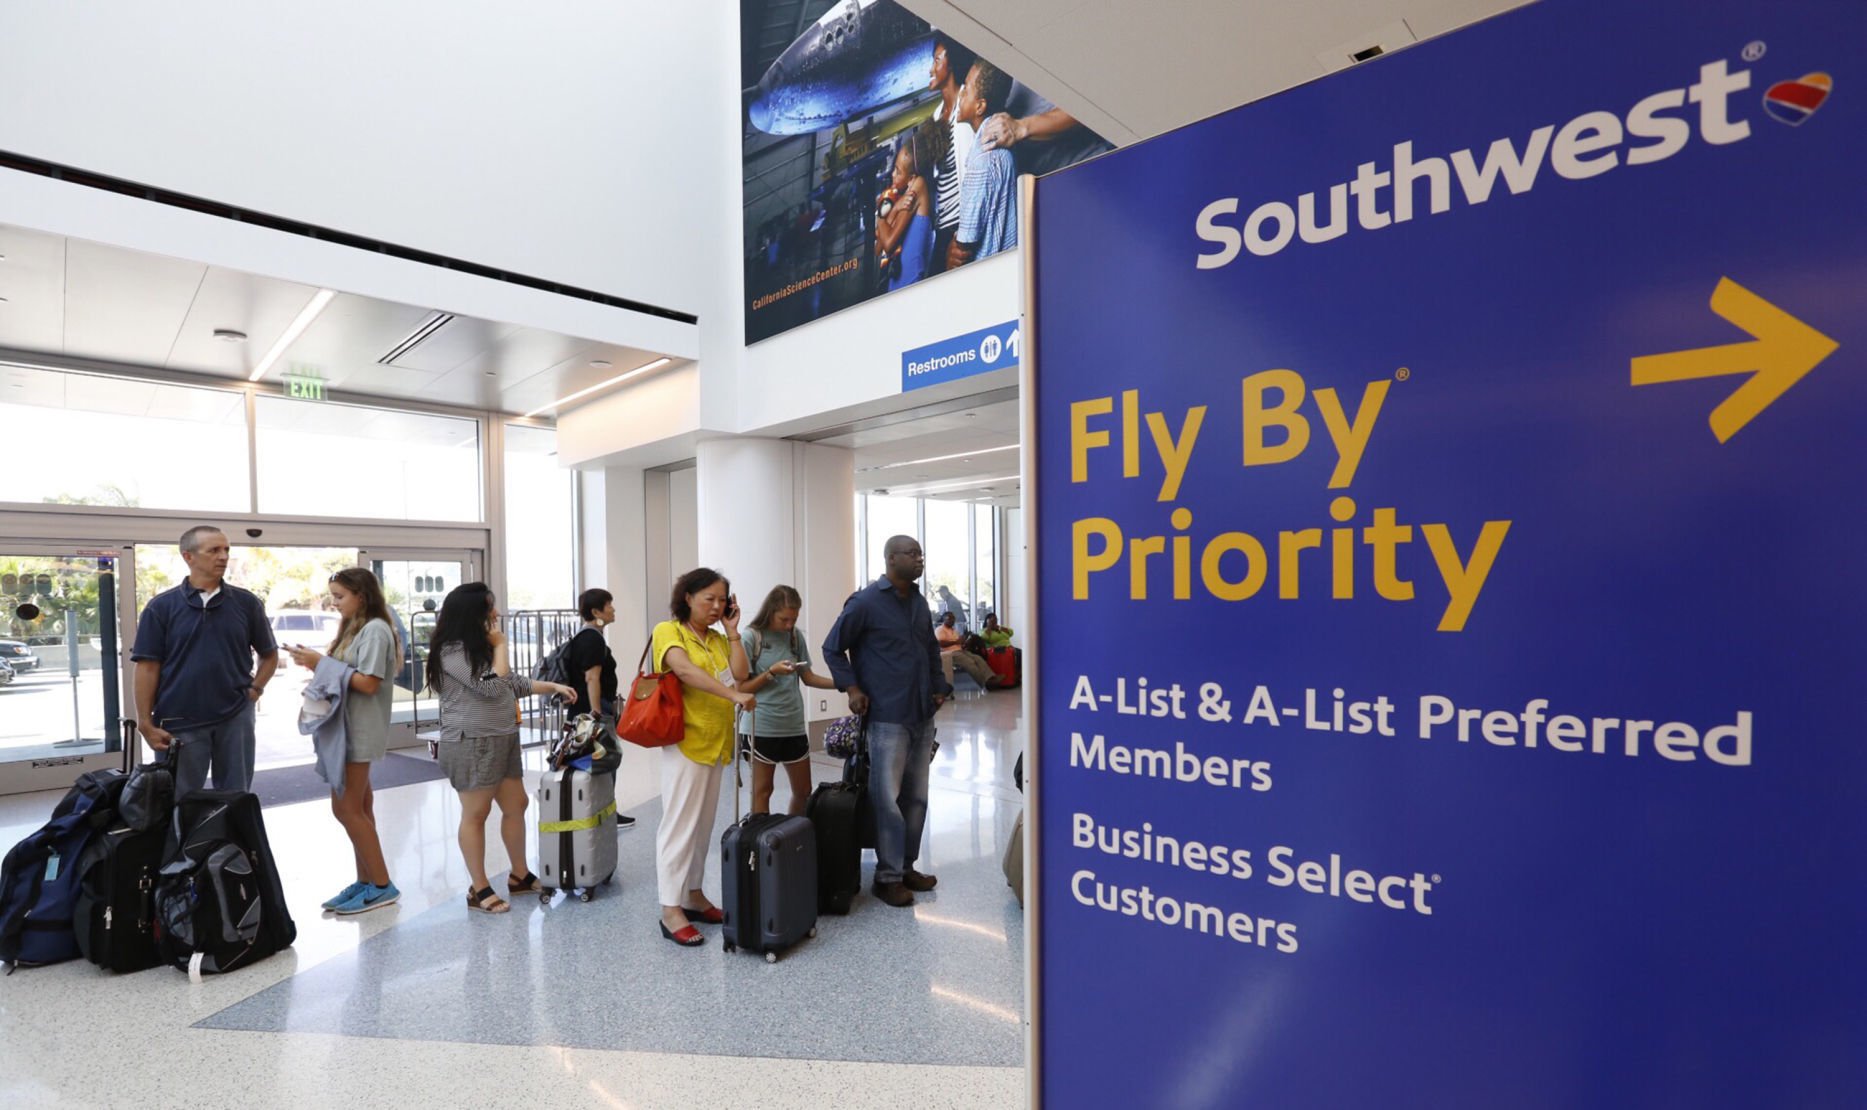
492 373
229 335
292 331
622 377
967 456
970 415
601 363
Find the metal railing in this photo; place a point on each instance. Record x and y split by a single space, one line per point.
532 634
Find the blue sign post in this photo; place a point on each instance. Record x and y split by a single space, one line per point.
1450 528
976 352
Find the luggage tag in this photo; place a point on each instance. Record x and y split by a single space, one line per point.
51 868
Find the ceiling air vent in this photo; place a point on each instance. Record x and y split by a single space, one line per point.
416 338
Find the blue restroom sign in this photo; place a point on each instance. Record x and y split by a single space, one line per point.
976 352
1448 516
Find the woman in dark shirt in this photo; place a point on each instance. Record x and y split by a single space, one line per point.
593 667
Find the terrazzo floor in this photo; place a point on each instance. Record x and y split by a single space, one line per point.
576 1004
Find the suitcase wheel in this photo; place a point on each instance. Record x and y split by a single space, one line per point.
544 897
771 957
728 946
586 895
813 931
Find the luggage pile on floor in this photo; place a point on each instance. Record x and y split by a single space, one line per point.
129 878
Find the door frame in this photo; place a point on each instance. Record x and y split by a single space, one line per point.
53 772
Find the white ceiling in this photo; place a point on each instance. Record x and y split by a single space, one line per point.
1134 70
984 439
98 303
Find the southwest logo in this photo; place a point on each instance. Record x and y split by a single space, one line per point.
1794 101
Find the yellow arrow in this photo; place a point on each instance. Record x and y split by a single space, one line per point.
1783 351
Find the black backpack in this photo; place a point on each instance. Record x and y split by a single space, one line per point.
219 904
555 667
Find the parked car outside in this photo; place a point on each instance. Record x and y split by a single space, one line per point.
303 626
6 673
18 656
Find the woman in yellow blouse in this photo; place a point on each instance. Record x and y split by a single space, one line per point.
707 663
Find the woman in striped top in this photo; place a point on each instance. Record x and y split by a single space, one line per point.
468 667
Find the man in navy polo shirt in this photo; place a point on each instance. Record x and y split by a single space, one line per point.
883 654
195 683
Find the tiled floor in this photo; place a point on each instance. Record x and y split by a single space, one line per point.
572 1005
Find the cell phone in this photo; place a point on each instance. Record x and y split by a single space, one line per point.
732 607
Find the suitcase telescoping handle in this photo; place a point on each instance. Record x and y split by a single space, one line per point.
751 716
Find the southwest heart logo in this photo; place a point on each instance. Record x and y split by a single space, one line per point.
1794 101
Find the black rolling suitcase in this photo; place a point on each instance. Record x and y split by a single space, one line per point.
833 812
768 879
116 915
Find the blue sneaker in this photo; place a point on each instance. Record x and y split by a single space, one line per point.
344 895
369 898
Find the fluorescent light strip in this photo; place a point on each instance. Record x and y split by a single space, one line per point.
946 487
297 328
600 385
942 458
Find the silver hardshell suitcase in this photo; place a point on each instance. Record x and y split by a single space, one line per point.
576 831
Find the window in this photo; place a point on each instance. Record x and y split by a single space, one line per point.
985 559
888 516
85 439
948 581
540 529
348 460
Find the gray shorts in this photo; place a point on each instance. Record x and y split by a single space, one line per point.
481 762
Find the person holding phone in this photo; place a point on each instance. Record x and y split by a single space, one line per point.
366 642
469 668
709 666
778 658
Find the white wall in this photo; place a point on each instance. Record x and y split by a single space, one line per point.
854 357
550 139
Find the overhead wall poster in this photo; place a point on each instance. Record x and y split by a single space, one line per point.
1452 650
878 153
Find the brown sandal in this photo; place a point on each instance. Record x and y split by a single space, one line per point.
485 901
529 886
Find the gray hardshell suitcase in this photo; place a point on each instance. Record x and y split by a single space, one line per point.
576 831
768 879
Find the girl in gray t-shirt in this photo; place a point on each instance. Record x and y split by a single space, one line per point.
367 643
778 656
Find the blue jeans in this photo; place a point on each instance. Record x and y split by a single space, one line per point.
227 745
900 763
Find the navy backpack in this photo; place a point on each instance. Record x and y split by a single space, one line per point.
39 880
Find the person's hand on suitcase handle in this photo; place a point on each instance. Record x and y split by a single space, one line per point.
159 738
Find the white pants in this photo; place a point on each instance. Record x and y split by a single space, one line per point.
690 796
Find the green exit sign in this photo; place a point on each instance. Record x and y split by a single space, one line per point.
304 387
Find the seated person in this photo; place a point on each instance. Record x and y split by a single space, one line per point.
948 635
995 634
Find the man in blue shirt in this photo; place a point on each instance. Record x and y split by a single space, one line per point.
883 654
195 683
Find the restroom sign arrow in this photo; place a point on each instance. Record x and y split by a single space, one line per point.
1783 351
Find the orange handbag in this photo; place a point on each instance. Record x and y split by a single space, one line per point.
651 714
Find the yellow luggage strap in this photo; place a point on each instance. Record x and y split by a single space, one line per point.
577 824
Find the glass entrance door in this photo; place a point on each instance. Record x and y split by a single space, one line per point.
414 583
61 694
